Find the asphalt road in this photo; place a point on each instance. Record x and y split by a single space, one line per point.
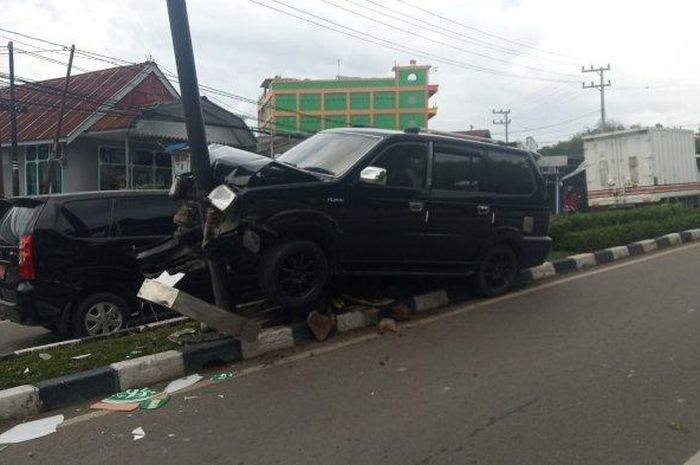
14 336
601 367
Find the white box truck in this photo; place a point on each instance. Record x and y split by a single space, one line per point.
640 166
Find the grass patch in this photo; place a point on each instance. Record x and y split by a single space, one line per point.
104 351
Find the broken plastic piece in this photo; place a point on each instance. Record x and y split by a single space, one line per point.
80 357
131 395
177 335
31 430
218 377
182 383
138 433
170 279
122 407
45 356
155 403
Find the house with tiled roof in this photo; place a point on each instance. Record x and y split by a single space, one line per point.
116 124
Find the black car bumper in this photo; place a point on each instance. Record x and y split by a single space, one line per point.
535 250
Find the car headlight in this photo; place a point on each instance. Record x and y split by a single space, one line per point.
222 197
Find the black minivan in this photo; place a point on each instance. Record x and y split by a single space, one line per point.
369 201
67 261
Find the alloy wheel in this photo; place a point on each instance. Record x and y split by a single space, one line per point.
103 318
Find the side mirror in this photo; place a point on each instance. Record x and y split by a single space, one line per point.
373 175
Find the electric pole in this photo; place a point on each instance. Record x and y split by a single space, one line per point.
505 121
47 182
601 87
13 124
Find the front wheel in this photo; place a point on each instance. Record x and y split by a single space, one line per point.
293 273
497 271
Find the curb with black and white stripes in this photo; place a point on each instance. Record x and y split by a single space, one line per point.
23 401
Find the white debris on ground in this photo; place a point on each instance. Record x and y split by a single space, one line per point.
31 430
138 433
182 383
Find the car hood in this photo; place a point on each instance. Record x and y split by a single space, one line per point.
241 168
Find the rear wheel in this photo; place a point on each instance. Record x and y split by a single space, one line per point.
293 273
99 314
497 271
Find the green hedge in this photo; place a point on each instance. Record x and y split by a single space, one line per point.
652 222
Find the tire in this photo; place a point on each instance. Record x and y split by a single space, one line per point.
294 273
497 271
99 314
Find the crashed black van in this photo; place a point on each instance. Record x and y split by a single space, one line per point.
366 201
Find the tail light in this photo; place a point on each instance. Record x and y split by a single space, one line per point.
26 258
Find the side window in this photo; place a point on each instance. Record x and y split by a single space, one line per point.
511 173
144 216
405 164
459 169
85 218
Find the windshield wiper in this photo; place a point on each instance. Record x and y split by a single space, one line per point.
318 169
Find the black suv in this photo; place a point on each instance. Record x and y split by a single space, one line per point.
367 201
67 261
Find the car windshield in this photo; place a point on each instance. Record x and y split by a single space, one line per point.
331 153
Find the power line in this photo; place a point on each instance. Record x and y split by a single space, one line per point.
480 31
363 36
561 123
445 44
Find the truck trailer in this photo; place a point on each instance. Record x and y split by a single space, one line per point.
638 166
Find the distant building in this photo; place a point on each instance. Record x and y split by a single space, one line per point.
310 105
115 126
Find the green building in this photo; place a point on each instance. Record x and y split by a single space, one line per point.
310 105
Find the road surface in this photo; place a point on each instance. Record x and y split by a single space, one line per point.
14 337
601 367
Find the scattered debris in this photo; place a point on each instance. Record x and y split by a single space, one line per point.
182 383
221 396
680 400
138 433
3 447
31 430
218 377
383 361
26 371
369 302
134 352
155 403
177 336
676 426
630 374
171 435
401 312
446 389
122 407
45 356
131 395
402 369
190 397
691 310
386 325
320 325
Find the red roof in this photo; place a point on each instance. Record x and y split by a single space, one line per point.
135 86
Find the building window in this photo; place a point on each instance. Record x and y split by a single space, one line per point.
35 166
149 169
112 168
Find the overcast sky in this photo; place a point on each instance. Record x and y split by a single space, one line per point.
525 55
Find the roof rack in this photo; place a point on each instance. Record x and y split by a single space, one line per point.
461 136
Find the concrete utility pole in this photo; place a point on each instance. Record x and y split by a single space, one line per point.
505 121
55 147
196 136
601 87
13 123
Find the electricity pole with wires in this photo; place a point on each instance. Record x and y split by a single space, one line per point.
601 87
13 123
505 121
47 182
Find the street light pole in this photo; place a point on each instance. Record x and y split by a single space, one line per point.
196 136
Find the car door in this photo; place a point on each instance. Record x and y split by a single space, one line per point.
460 212
384 225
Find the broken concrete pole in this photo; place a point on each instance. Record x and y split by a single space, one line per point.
217 318
356 319
320 325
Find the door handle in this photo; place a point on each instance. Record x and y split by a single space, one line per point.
416 206
483 209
